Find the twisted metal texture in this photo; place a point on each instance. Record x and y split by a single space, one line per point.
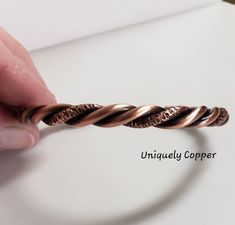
127 115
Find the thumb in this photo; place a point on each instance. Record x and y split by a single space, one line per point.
13 134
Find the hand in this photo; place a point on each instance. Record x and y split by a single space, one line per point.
20 86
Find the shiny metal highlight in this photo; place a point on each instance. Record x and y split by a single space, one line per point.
170 117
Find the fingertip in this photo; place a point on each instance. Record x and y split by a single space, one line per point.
19 137
33 130
19 85
50 98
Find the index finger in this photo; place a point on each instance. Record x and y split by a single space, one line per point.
19 84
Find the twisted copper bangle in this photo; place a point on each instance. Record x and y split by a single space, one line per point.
127 115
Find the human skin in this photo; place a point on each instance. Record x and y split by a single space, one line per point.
20 86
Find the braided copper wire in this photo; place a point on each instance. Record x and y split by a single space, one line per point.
128 115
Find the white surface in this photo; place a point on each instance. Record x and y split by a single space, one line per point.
43 23
94 176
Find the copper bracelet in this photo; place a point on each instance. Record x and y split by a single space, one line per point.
127 115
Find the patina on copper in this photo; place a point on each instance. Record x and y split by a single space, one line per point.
170 117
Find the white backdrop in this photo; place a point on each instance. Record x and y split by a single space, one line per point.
94 176
43 23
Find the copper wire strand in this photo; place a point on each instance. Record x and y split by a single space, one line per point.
171 117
